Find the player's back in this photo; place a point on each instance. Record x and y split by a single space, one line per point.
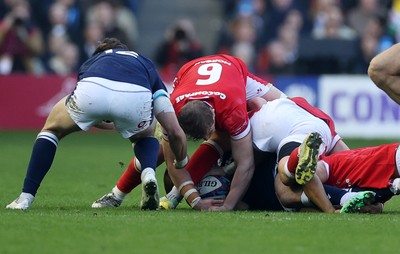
123 66
221 72
215 78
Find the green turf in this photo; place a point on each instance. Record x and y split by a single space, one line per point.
88 165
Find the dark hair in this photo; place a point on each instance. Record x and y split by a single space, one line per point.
196 118
109 43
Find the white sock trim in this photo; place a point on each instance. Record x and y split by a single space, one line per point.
118 193
147 173
346 197
27 196
174 193
287 172
137 165
48 136
305 200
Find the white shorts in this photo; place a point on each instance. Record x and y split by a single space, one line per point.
95 100
282 121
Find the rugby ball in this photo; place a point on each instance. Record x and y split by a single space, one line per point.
214 187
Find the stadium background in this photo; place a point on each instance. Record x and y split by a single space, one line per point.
283 41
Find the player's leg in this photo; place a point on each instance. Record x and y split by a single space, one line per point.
129 180
308 154
316 193
146 148
294 197
146 151
301 163
58 125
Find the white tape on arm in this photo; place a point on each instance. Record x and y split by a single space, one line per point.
162 102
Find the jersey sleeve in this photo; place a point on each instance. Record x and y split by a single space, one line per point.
236 122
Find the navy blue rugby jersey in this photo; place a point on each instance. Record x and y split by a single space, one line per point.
124 66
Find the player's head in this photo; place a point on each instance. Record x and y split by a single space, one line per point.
109 43
197 119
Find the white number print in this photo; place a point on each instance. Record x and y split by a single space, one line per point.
212 70
128 53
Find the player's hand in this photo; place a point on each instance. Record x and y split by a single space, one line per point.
222 208
206 204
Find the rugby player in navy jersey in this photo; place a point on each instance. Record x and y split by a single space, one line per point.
115 86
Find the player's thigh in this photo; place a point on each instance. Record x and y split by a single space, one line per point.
59 120
132 115
289 196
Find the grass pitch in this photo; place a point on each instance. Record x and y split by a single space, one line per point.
88 165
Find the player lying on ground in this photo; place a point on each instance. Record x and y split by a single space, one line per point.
375 168
120 86
281 126
262 195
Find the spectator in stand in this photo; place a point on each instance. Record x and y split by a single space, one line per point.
278 62
318 10
75 19
20 41
60 23
373 40
239 40
255 10
359 17
246 52
66 61
275 16
179 47
333 26
115 19
93 33
279 55
394 19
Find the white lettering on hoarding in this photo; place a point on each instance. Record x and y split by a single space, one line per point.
358 107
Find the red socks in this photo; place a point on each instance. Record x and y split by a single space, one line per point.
199 164
293 160
201 161
129 179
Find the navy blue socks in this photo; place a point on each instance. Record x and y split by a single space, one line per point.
42 157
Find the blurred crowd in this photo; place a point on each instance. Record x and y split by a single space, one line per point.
276 37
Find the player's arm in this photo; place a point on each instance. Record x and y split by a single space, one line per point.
258 87
165 115
242 153
384 71
183 181
273 93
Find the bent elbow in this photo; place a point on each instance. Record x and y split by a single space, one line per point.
376 73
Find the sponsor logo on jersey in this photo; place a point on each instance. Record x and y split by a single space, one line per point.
222 96
213 61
